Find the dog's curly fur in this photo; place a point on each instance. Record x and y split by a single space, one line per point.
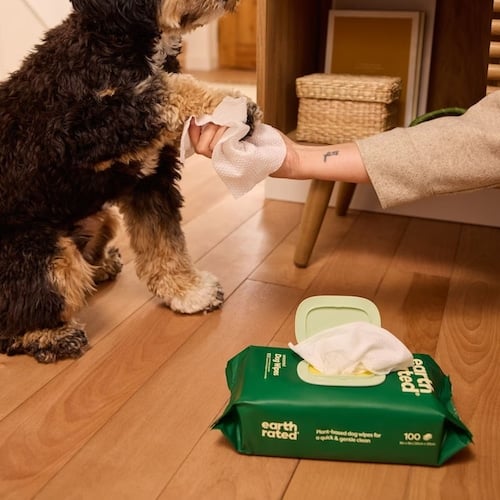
93 118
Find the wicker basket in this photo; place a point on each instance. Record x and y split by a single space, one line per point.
337 108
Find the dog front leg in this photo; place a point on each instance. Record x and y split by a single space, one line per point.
188 97
152 218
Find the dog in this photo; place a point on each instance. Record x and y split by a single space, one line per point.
91 121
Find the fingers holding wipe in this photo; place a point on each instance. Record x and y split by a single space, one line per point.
204 138
214 133
194 131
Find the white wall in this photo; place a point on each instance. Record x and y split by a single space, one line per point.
50 12
201 49
22 25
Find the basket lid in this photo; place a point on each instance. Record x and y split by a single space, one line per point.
346 87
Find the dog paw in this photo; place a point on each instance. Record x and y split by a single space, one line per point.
206 296
49 346
110 266
71 346
254 115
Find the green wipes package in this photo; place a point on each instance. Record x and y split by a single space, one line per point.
276 409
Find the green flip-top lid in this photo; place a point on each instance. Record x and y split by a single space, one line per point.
320 312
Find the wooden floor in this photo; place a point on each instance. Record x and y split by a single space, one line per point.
131 419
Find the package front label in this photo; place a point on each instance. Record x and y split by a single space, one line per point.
408 418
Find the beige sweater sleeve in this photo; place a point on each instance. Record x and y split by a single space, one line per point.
445 155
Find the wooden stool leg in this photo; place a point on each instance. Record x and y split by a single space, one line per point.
344 197
312 217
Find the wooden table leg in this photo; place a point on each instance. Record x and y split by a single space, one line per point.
312 218
344 197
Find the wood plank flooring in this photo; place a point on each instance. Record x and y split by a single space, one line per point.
131 419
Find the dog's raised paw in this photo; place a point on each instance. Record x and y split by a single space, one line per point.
206 296
254 115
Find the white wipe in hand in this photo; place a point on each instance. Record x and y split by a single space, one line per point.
354 348
241 164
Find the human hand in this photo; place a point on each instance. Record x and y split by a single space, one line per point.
204 138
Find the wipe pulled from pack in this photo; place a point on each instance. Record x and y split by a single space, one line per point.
408 418
354 348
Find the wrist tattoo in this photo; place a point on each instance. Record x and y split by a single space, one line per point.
330 153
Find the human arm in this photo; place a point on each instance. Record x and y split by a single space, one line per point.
340 162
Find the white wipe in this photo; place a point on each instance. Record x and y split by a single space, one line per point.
354 348
241 164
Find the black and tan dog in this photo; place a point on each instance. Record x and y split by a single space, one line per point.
93 118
